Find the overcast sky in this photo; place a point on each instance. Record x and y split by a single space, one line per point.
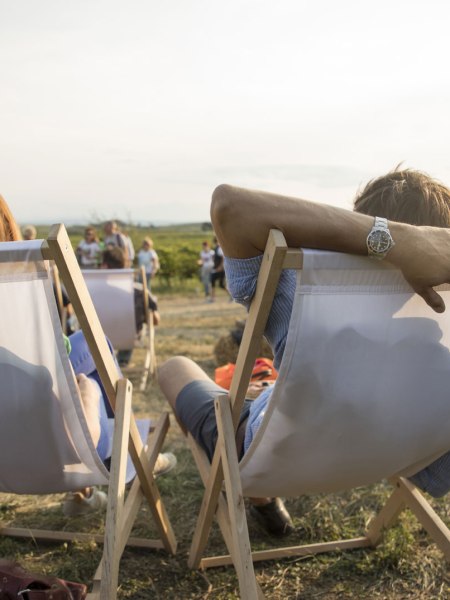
138 109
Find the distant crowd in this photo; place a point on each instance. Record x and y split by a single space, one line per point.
90 253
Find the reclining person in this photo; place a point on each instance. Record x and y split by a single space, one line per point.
411 197
93 398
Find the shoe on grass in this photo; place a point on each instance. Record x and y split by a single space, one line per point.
165 462
273 517
84 501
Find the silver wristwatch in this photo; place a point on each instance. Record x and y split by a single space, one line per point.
379 241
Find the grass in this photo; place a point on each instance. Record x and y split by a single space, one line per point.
405 566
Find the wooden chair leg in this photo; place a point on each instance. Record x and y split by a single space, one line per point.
207 510
386 517
426 515
242 555
114 514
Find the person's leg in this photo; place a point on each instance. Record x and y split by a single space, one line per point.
213 286
182 379
124 357
206 282
174 375
90 399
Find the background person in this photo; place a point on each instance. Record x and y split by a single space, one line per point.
218 271
113 237
88 251
206 262
148 258
29 232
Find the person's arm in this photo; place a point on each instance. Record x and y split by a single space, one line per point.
243 218
155 263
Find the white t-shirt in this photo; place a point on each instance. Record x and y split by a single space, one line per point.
207 260
147 258
89 253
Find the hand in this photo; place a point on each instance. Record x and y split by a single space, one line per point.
423 256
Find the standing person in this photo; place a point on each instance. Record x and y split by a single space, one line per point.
29 232
148 258
113 237
206 263
88 250
130 249
218 272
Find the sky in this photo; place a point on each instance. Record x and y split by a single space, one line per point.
136 110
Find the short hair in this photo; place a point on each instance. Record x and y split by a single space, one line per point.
113 258
29 232
407 196
110 224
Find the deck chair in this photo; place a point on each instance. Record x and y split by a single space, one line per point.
112 292
362 354
45 446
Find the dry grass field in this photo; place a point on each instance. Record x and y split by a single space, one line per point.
405 566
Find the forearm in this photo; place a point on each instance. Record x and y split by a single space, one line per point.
242 220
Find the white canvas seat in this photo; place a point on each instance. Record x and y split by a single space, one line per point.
45 445
362 395
363 358
112 292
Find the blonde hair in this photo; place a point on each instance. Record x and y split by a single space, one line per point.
29 232
9 230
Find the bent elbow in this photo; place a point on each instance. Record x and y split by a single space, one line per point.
221 205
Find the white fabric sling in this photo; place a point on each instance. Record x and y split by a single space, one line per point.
112 292
45 445
363 392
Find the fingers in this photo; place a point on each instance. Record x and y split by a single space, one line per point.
433 299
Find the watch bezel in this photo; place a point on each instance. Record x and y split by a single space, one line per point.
379 240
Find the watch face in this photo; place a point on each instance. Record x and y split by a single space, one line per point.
379 241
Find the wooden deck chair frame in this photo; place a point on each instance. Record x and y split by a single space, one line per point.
223 491
147 337
120 514
62 310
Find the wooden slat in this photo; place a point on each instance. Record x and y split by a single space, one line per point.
386 517
58 247
254 329
426 515
114 513
135 495
241 549
289 551
74 536
293 259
